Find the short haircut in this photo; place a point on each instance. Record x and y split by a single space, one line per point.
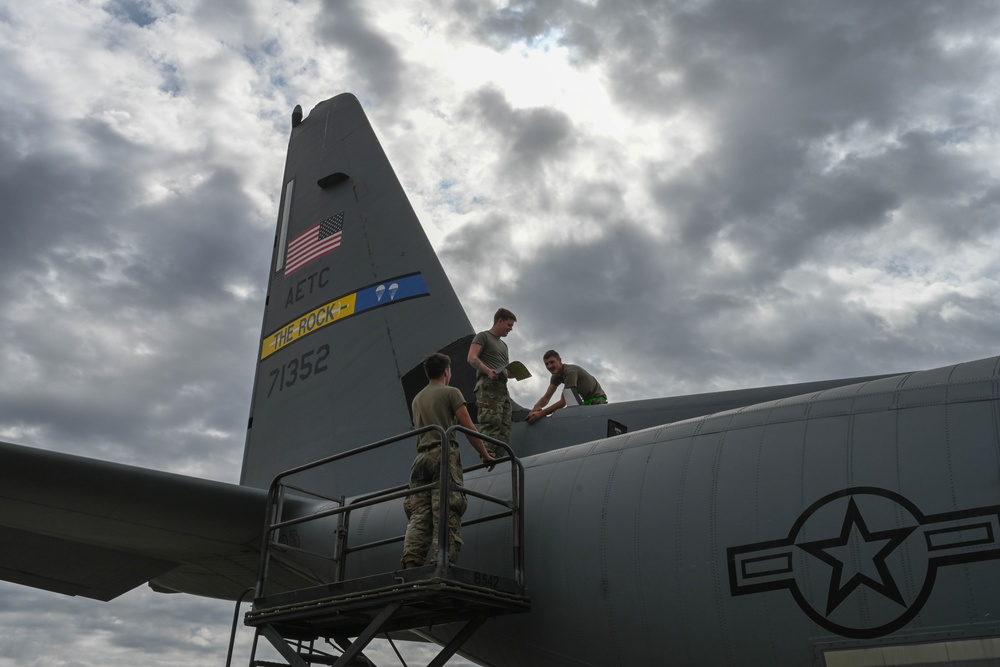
550 354
503 314
436 364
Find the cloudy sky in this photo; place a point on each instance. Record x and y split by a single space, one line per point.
683 196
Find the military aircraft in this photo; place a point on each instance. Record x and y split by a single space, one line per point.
842 522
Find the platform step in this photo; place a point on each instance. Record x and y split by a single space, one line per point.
426 597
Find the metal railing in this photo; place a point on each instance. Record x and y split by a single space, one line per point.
512 507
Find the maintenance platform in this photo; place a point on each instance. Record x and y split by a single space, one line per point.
353 612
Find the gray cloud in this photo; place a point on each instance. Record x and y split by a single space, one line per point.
531 141
378 67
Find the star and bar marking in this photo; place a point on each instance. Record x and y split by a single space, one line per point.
854 540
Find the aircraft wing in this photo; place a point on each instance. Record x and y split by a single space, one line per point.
85 527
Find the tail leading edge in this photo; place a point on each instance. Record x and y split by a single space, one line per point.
356 299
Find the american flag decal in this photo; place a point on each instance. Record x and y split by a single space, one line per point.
315 242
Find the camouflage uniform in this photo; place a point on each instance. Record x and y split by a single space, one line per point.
423 509
434 404
494 413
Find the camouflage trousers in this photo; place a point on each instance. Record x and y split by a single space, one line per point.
424 509
494 413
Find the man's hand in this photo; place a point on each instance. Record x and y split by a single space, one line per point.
534 416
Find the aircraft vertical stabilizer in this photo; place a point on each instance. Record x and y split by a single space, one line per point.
356 299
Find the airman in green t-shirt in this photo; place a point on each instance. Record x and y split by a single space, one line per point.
488 355
437 403
573 377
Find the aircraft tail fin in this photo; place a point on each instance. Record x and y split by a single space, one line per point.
356 299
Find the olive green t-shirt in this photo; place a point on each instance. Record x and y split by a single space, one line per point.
574 376
436 404
494 352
